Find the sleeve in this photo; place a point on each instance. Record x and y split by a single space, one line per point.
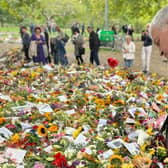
132 48
73 39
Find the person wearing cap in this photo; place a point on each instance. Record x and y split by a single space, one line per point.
94 44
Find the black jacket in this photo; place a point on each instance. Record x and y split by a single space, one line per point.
94 42
26 40
46 38
147 40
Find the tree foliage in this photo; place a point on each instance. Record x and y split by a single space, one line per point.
64 12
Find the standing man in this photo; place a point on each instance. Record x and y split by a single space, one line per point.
25 42
146 50
94 44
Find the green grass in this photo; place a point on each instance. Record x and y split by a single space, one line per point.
6 29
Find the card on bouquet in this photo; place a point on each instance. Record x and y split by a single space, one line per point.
5 132
15 154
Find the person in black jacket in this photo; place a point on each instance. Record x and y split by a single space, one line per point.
94 44
47 39
146 50
26 42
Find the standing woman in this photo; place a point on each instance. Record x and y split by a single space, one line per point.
40 41
146 50
78 42
129 52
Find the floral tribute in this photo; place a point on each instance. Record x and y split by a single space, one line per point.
82 117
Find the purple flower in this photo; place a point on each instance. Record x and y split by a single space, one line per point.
76 163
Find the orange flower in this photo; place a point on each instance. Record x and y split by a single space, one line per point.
140 161
90 158
2 120
119 102
53 128
160 97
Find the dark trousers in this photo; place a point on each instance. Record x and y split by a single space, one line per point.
94 57
60 58
79 59
26 52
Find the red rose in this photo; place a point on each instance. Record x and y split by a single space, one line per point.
112 62
10 126
60 161
35 127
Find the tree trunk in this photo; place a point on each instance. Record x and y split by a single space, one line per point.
2 23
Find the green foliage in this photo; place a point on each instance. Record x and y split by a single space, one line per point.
65 12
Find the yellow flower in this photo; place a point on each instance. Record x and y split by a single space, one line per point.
115 161
143 147
166 160
42 130
150 131
127 165
48 116
53 128
152 152
2 120
15 138
77 132
14 73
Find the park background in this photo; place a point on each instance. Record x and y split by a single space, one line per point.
14 13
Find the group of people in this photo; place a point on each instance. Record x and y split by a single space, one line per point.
129 50
39 47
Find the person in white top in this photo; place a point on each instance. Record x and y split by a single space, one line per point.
129 52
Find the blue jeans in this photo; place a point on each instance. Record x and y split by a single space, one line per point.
128 63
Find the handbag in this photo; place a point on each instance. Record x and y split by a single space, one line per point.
45 49
82 51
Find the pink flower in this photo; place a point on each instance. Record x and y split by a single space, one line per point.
38 165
